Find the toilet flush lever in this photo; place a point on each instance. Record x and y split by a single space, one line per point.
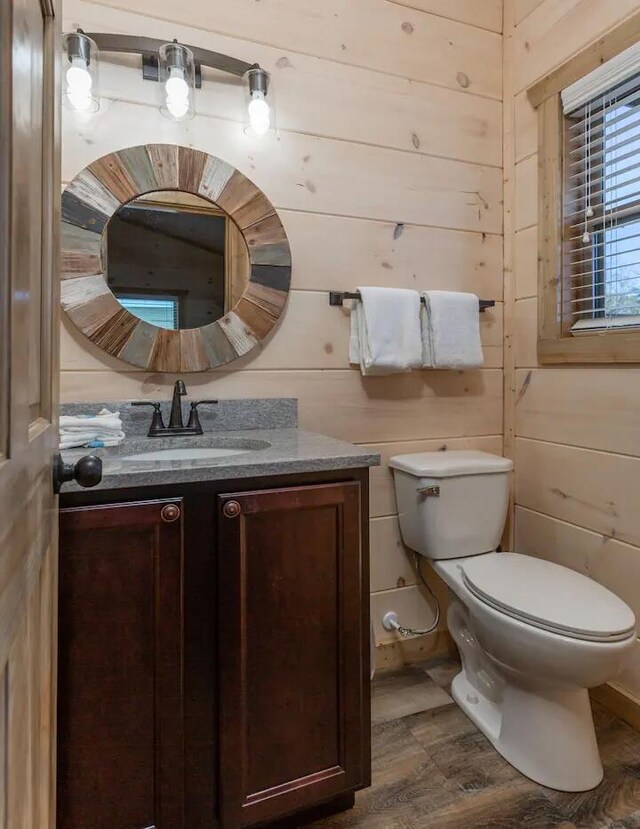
429 491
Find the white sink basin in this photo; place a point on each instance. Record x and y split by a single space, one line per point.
196 453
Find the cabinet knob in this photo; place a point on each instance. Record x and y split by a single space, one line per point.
169 513
231 509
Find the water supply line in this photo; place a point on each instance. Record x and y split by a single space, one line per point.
390 620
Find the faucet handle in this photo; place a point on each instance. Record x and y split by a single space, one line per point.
156 406
157 422
194 420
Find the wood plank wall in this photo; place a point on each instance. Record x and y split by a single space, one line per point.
577 430
390 123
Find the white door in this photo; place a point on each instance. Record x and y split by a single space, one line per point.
29 220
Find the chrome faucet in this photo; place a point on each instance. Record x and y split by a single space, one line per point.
176 425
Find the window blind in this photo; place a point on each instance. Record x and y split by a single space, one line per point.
160 311
601 215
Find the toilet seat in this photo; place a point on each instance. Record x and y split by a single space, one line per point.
548 596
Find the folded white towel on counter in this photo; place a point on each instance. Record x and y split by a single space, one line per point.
103 429
385 331
90 440
104 420
451 330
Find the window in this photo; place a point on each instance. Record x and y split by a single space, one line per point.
602 197
160 311
589 228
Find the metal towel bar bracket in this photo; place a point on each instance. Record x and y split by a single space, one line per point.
338 298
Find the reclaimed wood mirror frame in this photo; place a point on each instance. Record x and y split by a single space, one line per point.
93 197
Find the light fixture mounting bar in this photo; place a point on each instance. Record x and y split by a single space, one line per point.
149 46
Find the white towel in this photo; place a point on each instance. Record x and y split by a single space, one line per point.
104 421
90 439
385 331
451 330
103 429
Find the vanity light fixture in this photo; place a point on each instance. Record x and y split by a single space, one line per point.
258 110
80 90
177 81
175 65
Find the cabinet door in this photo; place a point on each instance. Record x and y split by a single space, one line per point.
120 741
293 623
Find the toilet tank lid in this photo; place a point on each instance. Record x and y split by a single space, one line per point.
450 463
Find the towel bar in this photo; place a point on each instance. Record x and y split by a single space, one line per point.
338 297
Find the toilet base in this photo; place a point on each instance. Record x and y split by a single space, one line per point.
547 735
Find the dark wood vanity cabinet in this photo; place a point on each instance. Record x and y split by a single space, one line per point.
214 655
120 714
293 710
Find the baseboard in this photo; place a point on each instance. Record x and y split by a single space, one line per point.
390 655
619 702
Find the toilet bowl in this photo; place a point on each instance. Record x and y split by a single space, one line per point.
533 636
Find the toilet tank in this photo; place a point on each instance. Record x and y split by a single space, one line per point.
453 503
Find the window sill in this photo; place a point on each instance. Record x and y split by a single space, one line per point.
606 326
596 346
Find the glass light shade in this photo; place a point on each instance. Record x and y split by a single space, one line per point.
259 109
80 90
177 81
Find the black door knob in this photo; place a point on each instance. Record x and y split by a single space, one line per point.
87 471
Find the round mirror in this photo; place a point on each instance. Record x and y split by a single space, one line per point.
172 260
175 259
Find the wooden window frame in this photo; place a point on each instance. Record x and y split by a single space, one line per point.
556 343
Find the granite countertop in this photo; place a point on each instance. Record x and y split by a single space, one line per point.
271 452
265 428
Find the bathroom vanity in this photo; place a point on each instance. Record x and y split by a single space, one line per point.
214 593
214 630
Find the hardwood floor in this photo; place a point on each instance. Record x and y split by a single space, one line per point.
433 768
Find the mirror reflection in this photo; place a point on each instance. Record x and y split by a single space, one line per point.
175 259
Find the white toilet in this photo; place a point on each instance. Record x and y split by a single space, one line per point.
532 635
